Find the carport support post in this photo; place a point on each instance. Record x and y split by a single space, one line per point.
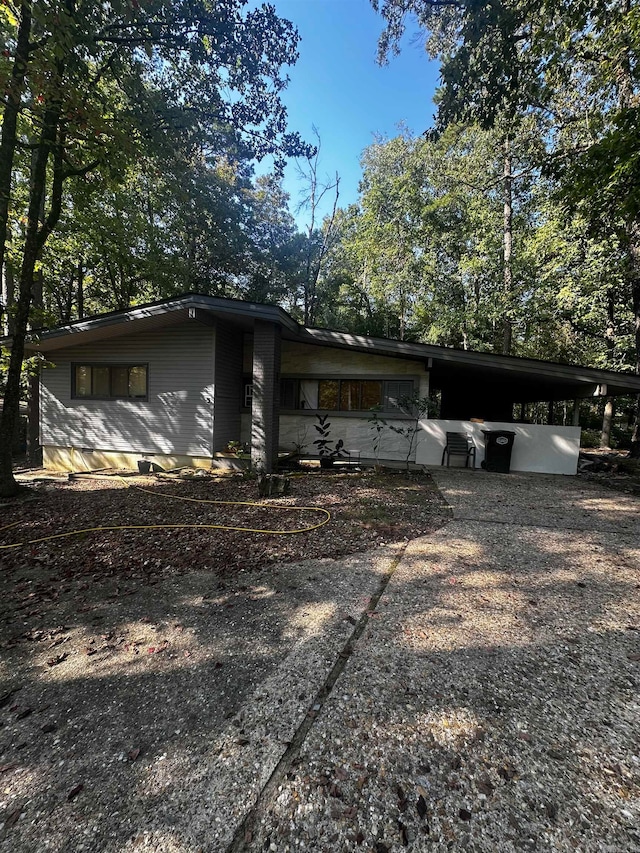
265 403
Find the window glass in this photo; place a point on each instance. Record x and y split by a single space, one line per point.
100 382
119 381
110 381
83 381
350 395
371 394
137 381
395 391
328 394
289 395
308 393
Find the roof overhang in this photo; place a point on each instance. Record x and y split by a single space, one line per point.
158 315
523 379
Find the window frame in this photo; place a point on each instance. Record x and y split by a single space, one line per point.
110 365
384 379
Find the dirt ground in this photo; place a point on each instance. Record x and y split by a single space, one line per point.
127 654
612 469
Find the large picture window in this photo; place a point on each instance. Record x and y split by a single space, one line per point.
109 381
338 395
350 395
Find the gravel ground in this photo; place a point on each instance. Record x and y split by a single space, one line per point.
492 702
486 702
158 727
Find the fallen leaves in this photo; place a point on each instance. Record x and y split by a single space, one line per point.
13 817
485 787
156 650
8 696
110 565
421 806
507 772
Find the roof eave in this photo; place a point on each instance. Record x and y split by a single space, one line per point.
623 383
231 308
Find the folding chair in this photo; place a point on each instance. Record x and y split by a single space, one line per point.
459 444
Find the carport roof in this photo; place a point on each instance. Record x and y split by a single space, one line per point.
525 379
521 379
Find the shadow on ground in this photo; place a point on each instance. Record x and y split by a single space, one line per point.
496 681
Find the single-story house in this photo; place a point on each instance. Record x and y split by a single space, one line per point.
175 381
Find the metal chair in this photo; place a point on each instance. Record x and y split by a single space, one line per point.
459 444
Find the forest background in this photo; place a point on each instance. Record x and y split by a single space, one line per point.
130 132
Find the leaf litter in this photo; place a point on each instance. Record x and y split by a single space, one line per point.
121 638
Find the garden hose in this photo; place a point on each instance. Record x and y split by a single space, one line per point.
105 528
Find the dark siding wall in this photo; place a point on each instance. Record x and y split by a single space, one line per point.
228 386
265 406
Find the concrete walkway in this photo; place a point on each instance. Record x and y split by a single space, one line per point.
491 701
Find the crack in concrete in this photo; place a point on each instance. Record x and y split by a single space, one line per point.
245 831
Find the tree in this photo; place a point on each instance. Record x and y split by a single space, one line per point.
319 238
425 244
276 256
573 66
92 86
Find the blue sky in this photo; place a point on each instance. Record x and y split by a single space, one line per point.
337 86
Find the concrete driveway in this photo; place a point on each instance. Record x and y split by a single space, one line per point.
491 702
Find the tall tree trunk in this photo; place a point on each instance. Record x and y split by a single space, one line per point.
35 238
507 242
607 422
8 299
80 292
610 340
13 95
633 254
34 454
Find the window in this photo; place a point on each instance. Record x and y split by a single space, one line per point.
360 395
395 392
354 395
248 395
289 394
338 395
109 381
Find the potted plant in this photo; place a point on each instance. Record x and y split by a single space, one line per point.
235 448
327 450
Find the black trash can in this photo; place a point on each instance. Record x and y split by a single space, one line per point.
498 444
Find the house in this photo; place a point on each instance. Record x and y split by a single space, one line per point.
176 380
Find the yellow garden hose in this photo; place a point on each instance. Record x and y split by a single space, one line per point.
326 513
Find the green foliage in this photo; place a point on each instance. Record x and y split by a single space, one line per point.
414 408
31 367
571 69
377 424
161 109
326 447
